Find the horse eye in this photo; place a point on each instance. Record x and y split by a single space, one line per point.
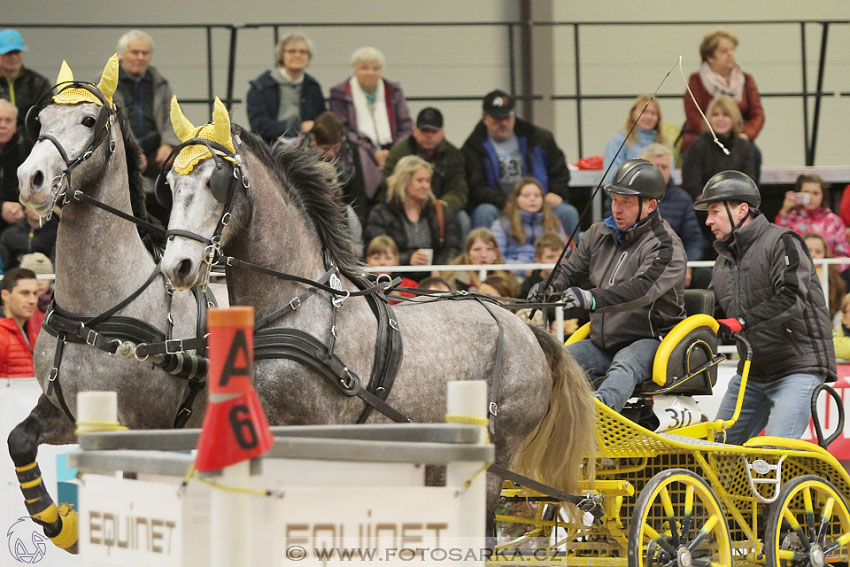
89 121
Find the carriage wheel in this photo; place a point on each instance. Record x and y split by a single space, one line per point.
678 522
809 524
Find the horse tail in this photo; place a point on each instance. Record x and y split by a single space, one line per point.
554 450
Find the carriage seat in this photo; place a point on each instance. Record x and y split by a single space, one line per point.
687 359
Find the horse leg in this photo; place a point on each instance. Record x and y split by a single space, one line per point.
45 423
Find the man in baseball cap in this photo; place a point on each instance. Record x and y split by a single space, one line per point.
501 150
448 183
19 85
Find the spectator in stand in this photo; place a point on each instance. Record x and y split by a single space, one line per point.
819 250
806 209
146 96
413 218
374 110
29 235
383 252
647 131
284 101
448 183
547 250
20 85
39 264
841 332
497 286
13 151
22 322
524 219
481 248
719 75
503 148
435 284
329 138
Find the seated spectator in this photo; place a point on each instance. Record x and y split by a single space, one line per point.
448 183
841 332
383 252
647 131
498 286
329 138
435 284
13 151
146 96
29 235
21 323
523 220
547 250
807 209
40 265
374 110
503 148
20 85
481 248
413 218
719 75
704 157
819 250
284 101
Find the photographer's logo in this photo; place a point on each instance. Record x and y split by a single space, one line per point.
26 541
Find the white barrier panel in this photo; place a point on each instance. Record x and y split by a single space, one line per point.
23 541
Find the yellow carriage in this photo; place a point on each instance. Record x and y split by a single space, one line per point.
683 498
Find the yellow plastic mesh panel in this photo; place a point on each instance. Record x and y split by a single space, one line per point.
193 154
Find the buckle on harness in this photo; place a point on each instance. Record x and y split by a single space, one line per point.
295 303
347 381
54 373
91 337
493 408
178 344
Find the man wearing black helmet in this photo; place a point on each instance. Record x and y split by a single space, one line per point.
766 284
635 263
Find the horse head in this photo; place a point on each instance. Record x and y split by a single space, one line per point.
205 172
77 127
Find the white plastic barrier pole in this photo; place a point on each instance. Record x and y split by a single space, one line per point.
469 399
230 519
97 411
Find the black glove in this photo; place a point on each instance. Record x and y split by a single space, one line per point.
537 293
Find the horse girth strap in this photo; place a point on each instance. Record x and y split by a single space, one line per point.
101 335
303 347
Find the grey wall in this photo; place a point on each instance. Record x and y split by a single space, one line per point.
469 61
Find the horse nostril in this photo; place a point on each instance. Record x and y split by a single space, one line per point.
184 268
37 179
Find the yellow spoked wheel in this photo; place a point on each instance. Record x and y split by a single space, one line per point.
809 524
678 522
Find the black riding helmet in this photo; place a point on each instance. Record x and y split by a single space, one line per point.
638 177
729 186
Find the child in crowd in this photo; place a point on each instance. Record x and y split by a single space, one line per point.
480 248
383 252
523 220
818 249
435 284
547 250
498 286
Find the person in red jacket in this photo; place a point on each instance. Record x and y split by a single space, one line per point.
719 75
22 322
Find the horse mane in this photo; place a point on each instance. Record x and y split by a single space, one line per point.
132 151
305 181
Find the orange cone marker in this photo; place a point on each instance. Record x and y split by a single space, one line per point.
235 428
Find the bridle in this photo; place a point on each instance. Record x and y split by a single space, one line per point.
100 132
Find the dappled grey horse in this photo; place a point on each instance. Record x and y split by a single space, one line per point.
86 154
318 343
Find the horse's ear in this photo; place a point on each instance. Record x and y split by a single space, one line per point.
221 125
182 127
109 79
65 74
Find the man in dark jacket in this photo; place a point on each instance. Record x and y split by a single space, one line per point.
18 84
766 284
448 182
635 263
285 100
502 149
13 152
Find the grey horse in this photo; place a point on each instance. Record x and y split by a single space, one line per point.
100 260
284 215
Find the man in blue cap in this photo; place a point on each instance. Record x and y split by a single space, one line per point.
19 85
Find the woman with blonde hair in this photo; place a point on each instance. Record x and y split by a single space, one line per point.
413 218
647 130
480 248
704 157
